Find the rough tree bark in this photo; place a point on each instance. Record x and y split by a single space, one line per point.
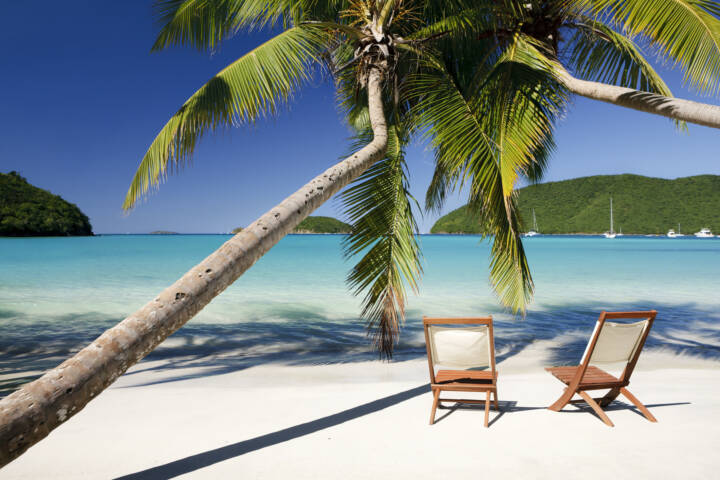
675 108
31 413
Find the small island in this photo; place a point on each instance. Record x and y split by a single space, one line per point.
315 225
322 225
29 211
641 205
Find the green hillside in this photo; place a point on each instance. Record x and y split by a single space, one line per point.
641 205
26 210
322 225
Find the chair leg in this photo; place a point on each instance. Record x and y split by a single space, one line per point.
609 397
596 407
562 401
436 398
497 406
487 407
639 405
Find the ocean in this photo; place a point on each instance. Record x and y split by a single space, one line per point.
293 306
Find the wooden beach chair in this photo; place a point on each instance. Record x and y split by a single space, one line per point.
463 344
610 342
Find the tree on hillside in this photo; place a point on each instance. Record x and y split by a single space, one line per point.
482 81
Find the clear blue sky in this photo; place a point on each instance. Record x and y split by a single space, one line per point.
82 97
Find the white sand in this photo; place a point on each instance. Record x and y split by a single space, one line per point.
370 420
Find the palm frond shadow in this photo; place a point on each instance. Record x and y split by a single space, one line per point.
296 335
641 100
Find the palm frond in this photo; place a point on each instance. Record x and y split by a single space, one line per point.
256 84
463 18
685 31
203 24
379 205
601 54
485 136
521 98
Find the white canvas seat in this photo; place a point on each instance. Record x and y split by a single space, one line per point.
617 342
467 347
456 349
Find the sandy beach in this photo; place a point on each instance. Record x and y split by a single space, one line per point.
370 419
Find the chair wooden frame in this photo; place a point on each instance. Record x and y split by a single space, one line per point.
462 380
584 377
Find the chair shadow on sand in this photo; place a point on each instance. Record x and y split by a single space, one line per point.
511 406
506 406
217 455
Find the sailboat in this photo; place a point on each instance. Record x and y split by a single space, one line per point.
673 234
611 233
534 231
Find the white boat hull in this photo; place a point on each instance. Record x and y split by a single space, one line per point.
704 233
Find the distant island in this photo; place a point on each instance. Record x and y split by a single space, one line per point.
322 225
163 232
315 225
641 205
29 211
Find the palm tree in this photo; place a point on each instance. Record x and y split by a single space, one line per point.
482 82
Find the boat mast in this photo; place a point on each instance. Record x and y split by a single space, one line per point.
611 217
534 222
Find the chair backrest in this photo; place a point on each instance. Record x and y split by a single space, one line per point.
613 342
461 343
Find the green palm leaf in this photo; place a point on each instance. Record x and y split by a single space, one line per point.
379 205
487 134
685 31
601 54
205 23
256 84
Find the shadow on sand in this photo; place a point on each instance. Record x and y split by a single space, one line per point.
29 346
210 457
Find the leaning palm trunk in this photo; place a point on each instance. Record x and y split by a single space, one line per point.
31 413
675 108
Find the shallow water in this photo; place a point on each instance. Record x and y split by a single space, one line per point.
57 294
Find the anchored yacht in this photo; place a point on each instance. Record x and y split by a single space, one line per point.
611 233
534 231
673 234
704 233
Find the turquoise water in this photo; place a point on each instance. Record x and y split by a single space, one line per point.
57 294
